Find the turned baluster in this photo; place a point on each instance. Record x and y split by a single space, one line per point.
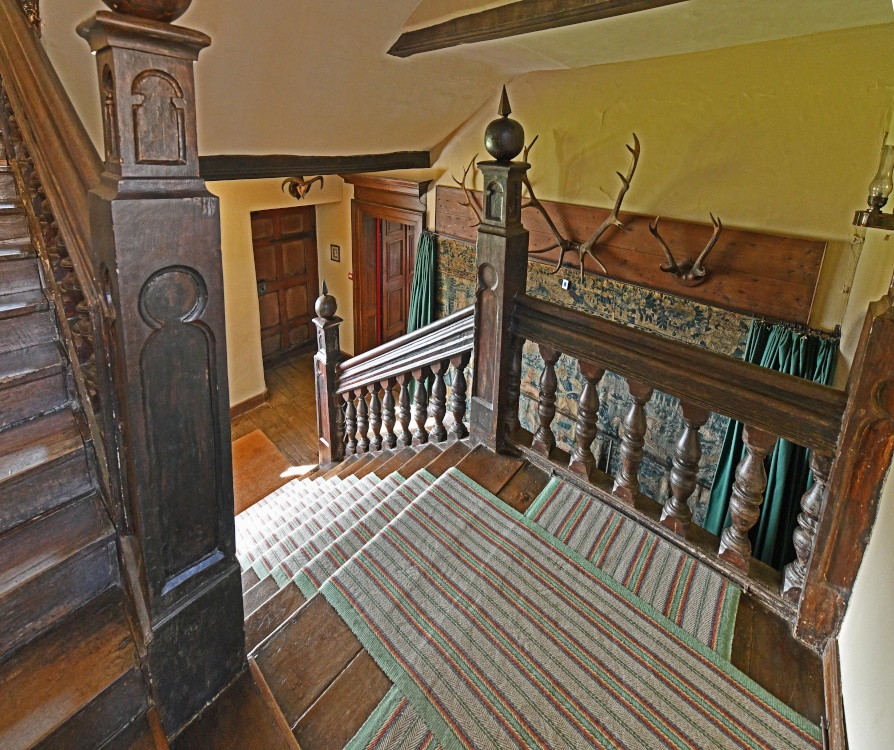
350 423
404 414
362 422
748 495
375 416
420 406
633 440
389 439
340 431
513 387
808 522
458 392
439 400
582 459
677 515
544 439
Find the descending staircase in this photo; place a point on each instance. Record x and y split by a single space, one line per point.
311 681
70 674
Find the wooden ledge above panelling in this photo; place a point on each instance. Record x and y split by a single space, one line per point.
754 273
389 191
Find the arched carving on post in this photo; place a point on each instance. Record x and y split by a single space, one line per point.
159 119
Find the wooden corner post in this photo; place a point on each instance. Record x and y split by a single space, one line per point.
329 413
502 268
156 235
865 449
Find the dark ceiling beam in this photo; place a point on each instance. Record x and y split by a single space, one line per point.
226 167
521 17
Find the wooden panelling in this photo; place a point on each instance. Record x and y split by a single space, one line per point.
749 272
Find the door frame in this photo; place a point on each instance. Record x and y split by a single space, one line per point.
401 201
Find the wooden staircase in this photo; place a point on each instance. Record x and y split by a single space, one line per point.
312 683
70 673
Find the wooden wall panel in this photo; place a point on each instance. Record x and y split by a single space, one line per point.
750 272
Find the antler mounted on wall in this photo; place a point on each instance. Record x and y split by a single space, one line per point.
470 203
688 272
299 187
584 248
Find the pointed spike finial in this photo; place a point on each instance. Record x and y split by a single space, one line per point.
325 289
326 305
505 110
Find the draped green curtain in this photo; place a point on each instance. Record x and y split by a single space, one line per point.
807 356
422 294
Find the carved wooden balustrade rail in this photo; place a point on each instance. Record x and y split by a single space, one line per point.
371 396
55 166
769 404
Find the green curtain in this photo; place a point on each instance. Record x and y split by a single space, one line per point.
422 294
807 356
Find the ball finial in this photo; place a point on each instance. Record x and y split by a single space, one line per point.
504 138
155 10
326 305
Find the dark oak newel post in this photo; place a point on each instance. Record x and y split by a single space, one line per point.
156 234
326 360
502 263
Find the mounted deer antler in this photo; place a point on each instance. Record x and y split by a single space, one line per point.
586 247
688 272
470 198
299 187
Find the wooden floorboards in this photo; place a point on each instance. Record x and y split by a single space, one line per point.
289 418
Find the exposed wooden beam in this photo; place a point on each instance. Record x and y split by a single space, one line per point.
521 17
227 167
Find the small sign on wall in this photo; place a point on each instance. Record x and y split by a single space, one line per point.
335 253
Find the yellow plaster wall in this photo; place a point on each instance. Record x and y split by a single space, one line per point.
237 200
779 136
334 228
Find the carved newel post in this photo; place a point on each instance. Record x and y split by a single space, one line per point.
329 411
156 237
502 262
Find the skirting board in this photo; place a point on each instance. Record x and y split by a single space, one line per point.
237 410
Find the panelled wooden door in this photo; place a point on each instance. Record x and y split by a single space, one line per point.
397 262
285 250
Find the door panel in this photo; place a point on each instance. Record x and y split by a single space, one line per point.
285 250
395 293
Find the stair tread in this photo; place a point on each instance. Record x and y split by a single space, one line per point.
50 679
20 303
32 549
40 441
17 250
23 365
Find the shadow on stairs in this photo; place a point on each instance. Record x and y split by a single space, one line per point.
311 683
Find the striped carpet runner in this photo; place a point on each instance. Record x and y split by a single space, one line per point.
682 589
394 725
501 636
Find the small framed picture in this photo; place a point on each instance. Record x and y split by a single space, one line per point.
335 253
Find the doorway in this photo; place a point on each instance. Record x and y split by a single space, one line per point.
387 218
284 242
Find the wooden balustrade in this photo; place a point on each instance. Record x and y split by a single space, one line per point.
804 412
361 390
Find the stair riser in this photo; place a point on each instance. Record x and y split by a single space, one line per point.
27 330
116 707
46 488
25 614
32 399
19 276
7 188
13 226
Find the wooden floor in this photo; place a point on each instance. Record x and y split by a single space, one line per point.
289 418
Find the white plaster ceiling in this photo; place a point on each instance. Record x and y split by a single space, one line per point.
313 77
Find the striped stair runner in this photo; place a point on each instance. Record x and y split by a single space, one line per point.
288 537
501 636
689 593
394 725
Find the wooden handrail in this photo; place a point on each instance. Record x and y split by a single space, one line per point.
439 340
792 408
57 140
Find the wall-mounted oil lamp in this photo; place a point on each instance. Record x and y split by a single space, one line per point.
879 191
